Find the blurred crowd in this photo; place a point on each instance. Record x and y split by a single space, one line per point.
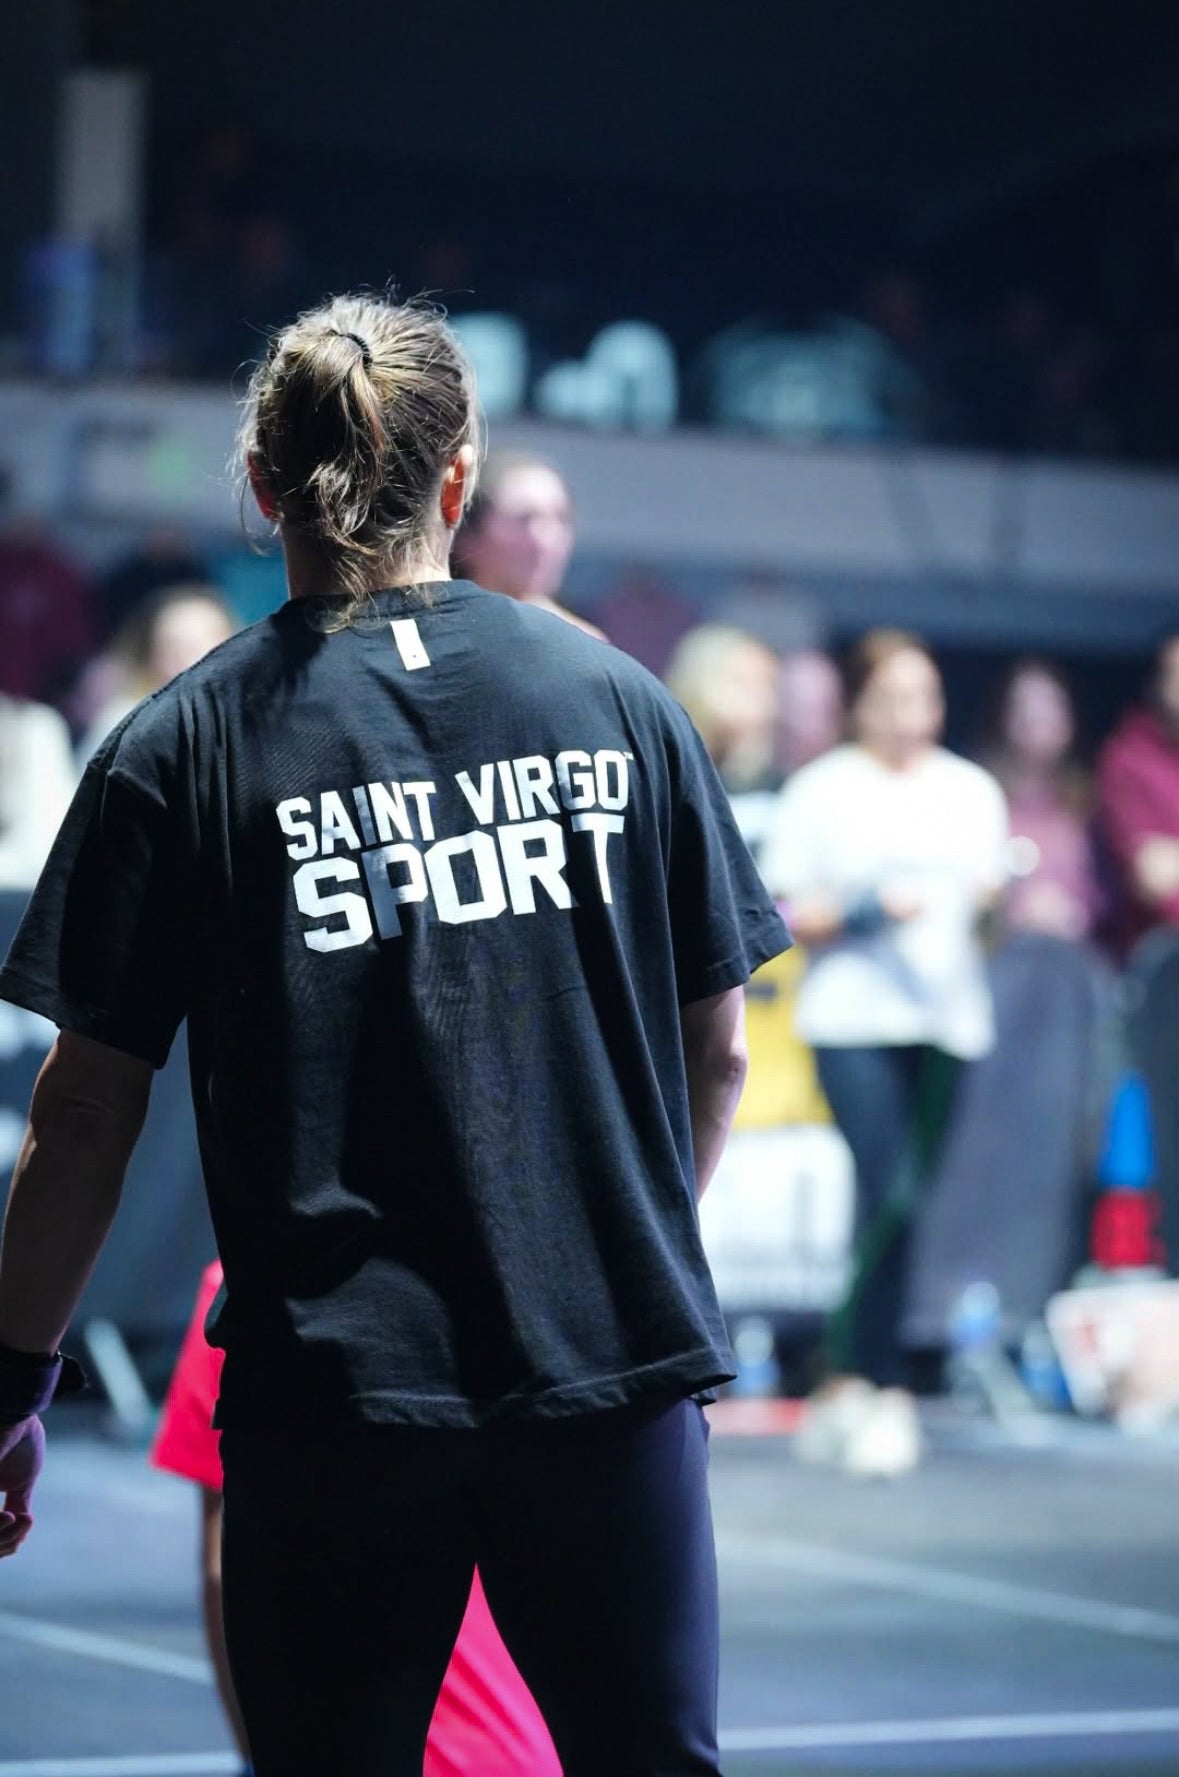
962 923
903 868
987 343
1021 369
1093 853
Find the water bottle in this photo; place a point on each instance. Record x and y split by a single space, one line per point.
1040 1369
758 1372
981 1374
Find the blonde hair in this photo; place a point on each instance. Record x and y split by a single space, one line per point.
699 659
351 419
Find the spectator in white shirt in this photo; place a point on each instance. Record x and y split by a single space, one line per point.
37 780
887 851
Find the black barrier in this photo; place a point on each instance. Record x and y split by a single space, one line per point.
1010 1199
1152 994
146 1276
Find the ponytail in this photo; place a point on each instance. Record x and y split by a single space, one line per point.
352 419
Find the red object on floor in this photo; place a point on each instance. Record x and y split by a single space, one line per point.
755 1418
1124 1234
486 1723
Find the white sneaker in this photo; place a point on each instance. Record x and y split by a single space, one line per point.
887 1441
833 1415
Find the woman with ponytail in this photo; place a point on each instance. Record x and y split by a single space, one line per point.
454 906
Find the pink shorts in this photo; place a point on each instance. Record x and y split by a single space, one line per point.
485 1723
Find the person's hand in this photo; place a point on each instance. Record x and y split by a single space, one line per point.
1156 869
814 919
22 1452
1048 907
901 904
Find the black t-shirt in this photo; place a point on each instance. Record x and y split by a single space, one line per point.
429 891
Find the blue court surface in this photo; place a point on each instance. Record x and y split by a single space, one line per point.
1013 1608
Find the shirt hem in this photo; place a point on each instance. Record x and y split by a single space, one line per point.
76 1015
682 1377
770 939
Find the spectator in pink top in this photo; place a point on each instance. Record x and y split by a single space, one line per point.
811 716
1054 886
1138 800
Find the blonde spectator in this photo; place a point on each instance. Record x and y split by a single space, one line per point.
166 636
728 683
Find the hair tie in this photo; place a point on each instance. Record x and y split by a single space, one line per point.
365 351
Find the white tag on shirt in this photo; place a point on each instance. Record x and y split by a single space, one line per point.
409 644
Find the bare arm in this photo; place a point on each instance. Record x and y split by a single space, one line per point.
716 1062
87 1110
817 919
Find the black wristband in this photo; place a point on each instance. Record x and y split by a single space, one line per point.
30 1380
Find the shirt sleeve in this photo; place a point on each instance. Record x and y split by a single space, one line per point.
44 780
724 925
104 945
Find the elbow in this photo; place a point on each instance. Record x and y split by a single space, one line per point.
80 1122
88 1098
720 1069
731 1065
715 1052
93 1138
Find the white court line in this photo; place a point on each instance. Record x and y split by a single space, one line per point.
954 1729
952 1588
960 1728
165 1764
110 1648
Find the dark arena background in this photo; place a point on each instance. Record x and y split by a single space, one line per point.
831 316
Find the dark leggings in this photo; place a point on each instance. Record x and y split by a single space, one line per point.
892 1106
349 1554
